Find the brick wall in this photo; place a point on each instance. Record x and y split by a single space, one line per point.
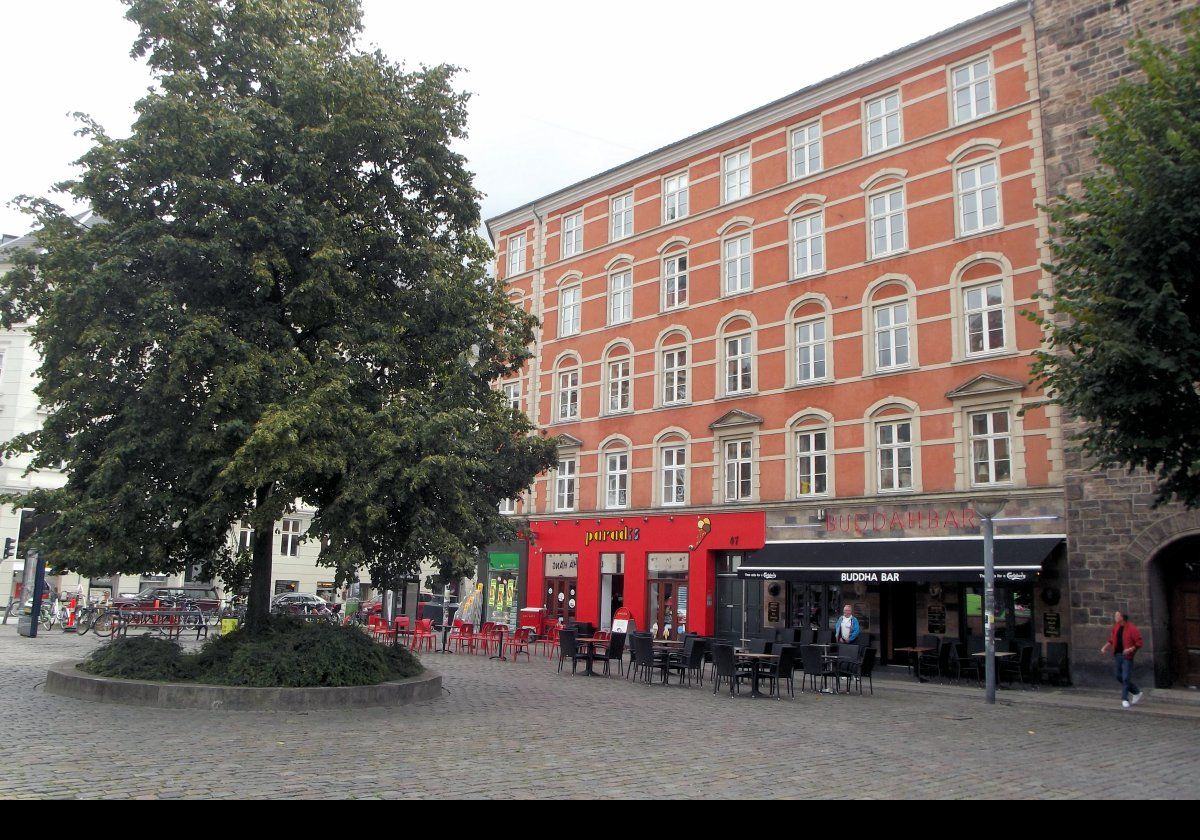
1113 529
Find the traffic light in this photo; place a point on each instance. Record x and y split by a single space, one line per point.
9 545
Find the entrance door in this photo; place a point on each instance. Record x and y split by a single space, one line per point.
729 609
901 601
667 608
1185 632
560 600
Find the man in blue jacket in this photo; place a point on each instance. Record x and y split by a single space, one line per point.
847 626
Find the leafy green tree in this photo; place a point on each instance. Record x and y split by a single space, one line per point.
1123 348
285 298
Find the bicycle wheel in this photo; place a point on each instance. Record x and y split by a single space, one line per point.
85 621
105 624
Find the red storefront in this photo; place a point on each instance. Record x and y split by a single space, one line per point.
662 568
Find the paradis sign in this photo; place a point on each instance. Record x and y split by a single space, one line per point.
870 522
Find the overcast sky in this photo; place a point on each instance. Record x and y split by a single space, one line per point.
560 91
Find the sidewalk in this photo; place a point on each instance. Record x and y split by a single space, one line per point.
1164 702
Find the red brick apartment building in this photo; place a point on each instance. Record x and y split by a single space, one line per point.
783 354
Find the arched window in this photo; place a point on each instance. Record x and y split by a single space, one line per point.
811 446
887 222
618 379
895 446
811 342
673 358
615 465
890 325
675 279
671 450
620 293
982 304
737 257
567 385
807 222
736 351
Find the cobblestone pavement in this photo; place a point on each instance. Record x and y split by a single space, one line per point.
508 730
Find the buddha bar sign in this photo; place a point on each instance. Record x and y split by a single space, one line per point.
881 522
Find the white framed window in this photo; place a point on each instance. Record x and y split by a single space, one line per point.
887 223
620 386
978 197
739 470
572 234
616 480
883 122
984 308
621 211
565 478
739 365
508 506
246 536
811 351
568 395
569 309
675 281
516 255
739 268
894 455
675 197
674 367
736 175
991 447
972 90
674 475
806 150
808 245
891 336
812 462
620 297
512 395
289 543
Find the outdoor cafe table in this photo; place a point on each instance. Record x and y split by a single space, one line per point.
496 635
590 642
915 653
1000 654
755 659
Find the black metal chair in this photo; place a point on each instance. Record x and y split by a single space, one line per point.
760 645
614 652
823 637
584 629
691 663
931 662
782 669
858 669
961 665
1018 667
815 666
645 659
1055 666
568 648
725 669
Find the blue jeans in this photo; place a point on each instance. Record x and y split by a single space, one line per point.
1124 675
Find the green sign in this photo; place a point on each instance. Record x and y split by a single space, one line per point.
503 561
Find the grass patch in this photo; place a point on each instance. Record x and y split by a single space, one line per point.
288 653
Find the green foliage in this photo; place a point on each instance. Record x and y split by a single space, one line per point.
285 297
286 652
1123 349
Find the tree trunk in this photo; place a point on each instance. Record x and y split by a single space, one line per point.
258 609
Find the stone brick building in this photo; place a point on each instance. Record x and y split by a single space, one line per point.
1122 552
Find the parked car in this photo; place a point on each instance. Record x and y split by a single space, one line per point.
301 603
168 597
429 606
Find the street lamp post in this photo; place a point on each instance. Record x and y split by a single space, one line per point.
986 509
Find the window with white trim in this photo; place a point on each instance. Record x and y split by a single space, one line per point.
736 175
812 462
887 223
806 150
246 536
674 475
894 456
616 480
508 506
620 386
516 254
739 470
891 336
621 211
991 447
984 309
572 234
674 367
289 543
568 395
675 281
675 197
739 271
978 198
512 395
569 308
565 478
620 297
972 91
883 123
738 365
808 245
811 351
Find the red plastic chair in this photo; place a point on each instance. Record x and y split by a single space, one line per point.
463 636
400 629
483 638
423 635
548 641
519 642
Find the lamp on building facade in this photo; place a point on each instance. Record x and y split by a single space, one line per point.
986 509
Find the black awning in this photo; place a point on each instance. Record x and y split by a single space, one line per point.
1017 559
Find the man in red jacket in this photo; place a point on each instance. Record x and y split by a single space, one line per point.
1124 641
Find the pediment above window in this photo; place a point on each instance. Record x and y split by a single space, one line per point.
985 383
569 442
737 417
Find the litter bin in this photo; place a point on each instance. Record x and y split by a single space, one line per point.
228 625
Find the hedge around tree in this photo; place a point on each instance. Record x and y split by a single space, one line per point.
286 653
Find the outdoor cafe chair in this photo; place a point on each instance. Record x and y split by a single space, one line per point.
816 666
725 670
548 640
614 652
483 639
519 642
1054 666
462 635
961 665
691 663
782 669
1019 666
646 660
568 648
854 671
423 635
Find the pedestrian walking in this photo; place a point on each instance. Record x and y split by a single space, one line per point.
1124 641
